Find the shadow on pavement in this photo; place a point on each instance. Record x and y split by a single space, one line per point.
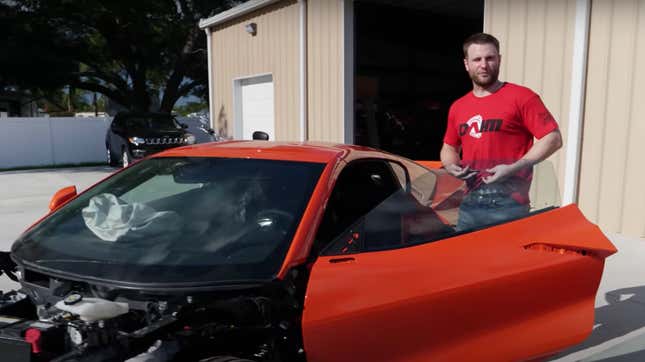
624 313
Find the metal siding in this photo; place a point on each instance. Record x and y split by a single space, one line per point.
325 64
536 43
534 47
595 108
273 50
611 191
633 222
516 42
555 82
619 89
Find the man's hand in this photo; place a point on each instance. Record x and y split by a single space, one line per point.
450 160
540 150
498 173
502 172
463 173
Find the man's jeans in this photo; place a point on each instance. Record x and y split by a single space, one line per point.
483 207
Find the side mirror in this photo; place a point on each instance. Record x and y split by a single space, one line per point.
259 135
61 197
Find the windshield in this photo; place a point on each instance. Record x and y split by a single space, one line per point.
152 123
178 220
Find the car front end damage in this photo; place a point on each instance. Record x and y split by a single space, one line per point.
53 318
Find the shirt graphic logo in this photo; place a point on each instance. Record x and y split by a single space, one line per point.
475 126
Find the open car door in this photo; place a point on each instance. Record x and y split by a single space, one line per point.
400 285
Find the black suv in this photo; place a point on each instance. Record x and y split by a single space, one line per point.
136 135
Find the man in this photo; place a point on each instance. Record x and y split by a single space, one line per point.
492 128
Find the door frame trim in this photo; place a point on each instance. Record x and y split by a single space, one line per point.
348 70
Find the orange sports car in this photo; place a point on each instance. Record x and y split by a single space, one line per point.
263 251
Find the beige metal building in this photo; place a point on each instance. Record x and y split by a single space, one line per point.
383 72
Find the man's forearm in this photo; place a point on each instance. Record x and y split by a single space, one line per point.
449 155
541 150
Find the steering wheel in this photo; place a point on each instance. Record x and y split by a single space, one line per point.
268 220
274 215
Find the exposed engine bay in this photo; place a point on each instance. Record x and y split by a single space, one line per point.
56 319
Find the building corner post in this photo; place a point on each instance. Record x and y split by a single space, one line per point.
347 10
211 102
577 101
304 122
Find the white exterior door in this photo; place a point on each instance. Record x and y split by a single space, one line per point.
255 107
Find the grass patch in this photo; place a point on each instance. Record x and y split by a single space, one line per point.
47 167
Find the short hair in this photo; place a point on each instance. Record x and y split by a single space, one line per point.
480 38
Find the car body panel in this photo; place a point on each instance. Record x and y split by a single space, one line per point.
285 151
429 164
459 297
303 237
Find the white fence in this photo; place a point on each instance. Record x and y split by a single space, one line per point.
51 141
26 142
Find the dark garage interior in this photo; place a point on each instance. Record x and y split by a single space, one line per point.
409 70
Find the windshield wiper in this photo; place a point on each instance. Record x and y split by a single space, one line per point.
45 261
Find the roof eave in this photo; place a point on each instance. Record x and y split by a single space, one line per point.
235 12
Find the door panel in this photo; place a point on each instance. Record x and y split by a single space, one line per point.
514 291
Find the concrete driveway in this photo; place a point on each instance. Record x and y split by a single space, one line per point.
25 196
619 331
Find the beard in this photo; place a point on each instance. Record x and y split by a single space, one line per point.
485 81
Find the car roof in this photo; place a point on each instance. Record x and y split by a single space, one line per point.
319 152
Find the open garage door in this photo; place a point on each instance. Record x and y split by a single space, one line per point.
409 69
254 107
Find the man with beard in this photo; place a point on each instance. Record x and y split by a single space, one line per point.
489 139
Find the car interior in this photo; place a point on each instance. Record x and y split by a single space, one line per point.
369 210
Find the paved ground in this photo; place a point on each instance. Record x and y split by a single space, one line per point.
25 196
619 332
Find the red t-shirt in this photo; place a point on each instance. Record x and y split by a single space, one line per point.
499 128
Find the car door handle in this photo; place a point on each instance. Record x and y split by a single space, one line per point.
341 260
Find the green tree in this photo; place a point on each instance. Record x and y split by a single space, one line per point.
143 55
190 107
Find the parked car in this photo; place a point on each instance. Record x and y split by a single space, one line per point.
136 135
264 251
200 127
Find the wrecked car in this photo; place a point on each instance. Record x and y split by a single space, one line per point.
264 251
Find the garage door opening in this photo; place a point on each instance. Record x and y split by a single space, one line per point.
254 106
409 69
